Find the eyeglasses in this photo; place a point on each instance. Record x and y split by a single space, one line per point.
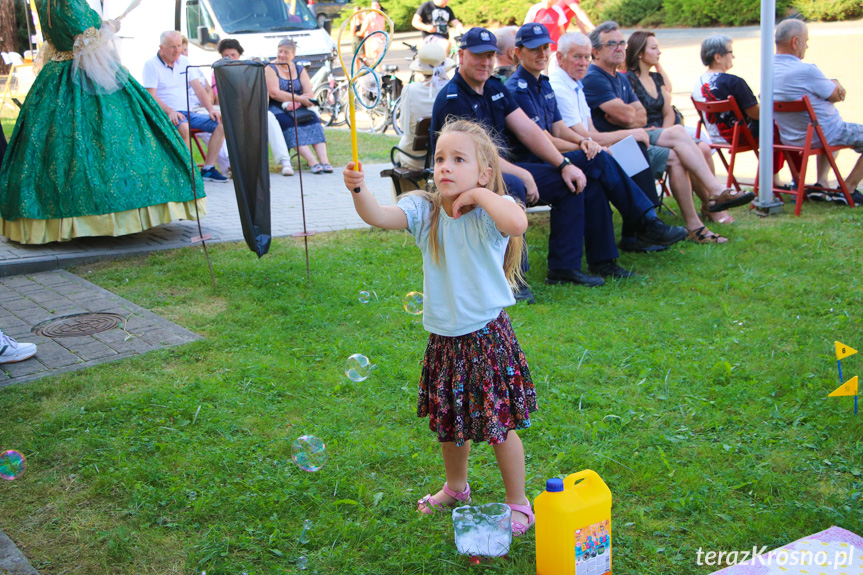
614 45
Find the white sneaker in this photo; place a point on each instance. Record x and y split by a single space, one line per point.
287 170
11 351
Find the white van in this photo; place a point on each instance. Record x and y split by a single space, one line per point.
258 25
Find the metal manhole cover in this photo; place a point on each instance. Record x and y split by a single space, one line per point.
77 325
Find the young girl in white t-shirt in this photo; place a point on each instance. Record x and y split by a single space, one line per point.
475 383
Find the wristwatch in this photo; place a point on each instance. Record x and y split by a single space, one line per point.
564 164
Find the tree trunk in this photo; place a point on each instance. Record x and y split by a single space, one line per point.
8 31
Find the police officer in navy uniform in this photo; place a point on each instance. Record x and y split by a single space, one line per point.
473 94
606 180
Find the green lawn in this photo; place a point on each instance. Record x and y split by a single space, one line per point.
698 391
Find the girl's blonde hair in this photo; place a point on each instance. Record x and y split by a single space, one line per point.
487 157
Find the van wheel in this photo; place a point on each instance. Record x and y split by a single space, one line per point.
321 19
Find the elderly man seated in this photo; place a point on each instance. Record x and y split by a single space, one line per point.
165 78
793 79
536 97
505 63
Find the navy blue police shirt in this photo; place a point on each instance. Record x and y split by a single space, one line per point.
490 108
536 97
601 87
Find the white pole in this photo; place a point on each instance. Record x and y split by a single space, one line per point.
765 130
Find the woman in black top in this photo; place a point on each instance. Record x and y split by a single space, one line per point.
654 92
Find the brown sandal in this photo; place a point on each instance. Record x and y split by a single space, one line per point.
729 198
703 235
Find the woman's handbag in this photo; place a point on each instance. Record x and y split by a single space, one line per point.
304 115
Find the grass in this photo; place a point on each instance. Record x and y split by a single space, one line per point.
698 391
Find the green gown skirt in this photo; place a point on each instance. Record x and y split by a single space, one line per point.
86 164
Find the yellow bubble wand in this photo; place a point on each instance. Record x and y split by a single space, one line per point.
364 70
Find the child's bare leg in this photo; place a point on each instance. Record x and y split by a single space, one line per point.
510 460
455 464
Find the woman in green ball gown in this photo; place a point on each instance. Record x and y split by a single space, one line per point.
92 154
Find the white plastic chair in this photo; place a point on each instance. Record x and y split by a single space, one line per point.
11 82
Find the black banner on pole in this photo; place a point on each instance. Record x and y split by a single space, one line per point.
243 100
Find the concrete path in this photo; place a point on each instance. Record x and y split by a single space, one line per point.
81 325
12 561
328 207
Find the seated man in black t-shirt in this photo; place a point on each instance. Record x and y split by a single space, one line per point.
434 18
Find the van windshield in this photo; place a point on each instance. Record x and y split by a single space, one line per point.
254 16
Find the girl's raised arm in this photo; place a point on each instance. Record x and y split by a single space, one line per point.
372 213
508 216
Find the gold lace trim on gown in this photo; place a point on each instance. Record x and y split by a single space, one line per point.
32 231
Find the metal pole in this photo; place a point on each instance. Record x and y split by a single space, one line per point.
765 202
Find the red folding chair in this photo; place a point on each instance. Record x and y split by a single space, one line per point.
741 139
195 135
798 156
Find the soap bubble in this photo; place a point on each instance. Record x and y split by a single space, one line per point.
302 563
413 303
12 465
366 296
304 536
309 453
358 368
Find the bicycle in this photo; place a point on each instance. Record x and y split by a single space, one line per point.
331 95
379 116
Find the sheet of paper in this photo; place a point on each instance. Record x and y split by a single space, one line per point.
629 156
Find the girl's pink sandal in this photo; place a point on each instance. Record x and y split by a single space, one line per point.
429 506
519 528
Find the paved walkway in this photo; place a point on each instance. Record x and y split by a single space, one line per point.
32 301
328 207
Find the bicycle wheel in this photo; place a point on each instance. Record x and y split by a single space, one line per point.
397 116
341 97
373 119
329 107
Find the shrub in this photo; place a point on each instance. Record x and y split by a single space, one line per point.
632 12
829 9
491 12
711 12
642 13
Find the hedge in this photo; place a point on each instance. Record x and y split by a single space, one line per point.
652 13
645 13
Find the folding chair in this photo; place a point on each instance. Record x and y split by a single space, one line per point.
11 82
195 134
741 141
798 156
400 174
664 191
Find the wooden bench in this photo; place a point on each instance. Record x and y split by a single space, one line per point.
402 174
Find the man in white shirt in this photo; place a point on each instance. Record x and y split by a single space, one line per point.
165 79
793 79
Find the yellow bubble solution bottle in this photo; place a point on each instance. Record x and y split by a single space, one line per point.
573 526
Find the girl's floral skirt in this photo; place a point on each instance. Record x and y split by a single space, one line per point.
476 386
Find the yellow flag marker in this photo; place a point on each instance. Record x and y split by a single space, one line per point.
847 388
843 351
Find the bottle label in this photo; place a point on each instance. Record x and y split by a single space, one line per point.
593 549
